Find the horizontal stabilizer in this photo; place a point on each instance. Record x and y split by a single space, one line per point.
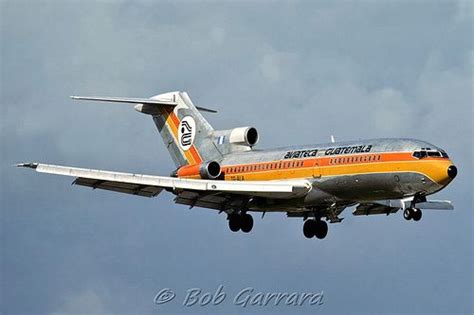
124 100
135 100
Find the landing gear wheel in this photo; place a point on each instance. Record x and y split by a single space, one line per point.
246 223
234 222
321 229
309 227
417 214
408 214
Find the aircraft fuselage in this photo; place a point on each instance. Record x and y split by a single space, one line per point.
348 172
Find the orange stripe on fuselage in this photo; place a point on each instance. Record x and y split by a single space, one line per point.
191 155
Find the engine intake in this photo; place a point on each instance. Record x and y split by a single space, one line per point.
244 136
210 170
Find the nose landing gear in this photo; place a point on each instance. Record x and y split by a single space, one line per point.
412 213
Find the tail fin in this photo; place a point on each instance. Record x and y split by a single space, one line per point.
185 132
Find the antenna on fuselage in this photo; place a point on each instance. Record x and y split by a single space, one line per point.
332 139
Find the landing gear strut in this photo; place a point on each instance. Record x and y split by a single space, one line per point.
316 228
239 221
412 213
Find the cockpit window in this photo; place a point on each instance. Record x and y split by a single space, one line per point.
424 152
419 154
444 154
434 153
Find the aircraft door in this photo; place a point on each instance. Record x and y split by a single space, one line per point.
316 170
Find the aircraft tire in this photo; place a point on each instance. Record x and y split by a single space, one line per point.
408 214
309 227
234 222
246 223
417 214
321 229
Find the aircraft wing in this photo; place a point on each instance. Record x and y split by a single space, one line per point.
391 206
150 186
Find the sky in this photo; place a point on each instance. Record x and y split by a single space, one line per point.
298 71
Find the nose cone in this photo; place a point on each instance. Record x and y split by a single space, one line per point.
452 171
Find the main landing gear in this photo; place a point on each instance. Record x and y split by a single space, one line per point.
412 213
316 228
240 221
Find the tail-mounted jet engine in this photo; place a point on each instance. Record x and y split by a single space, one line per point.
236 140
206 170
244 136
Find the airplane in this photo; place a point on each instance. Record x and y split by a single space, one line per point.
222 170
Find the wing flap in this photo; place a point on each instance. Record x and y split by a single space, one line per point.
127 188
374 208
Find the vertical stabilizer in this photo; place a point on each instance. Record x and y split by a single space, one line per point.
185 132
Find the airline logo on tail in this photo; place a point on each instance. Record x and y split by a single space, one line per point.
186 132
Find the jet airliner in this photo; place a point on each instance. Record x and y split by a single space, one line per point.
224 171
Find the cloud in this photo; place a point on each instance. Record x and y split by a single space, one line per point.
270 67
217 34
85 302
390 111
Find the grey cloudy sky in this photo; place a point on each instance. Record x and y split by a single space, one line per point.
299 71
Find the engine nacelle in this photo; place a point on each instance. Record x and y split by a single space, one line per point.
206 170
244 136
